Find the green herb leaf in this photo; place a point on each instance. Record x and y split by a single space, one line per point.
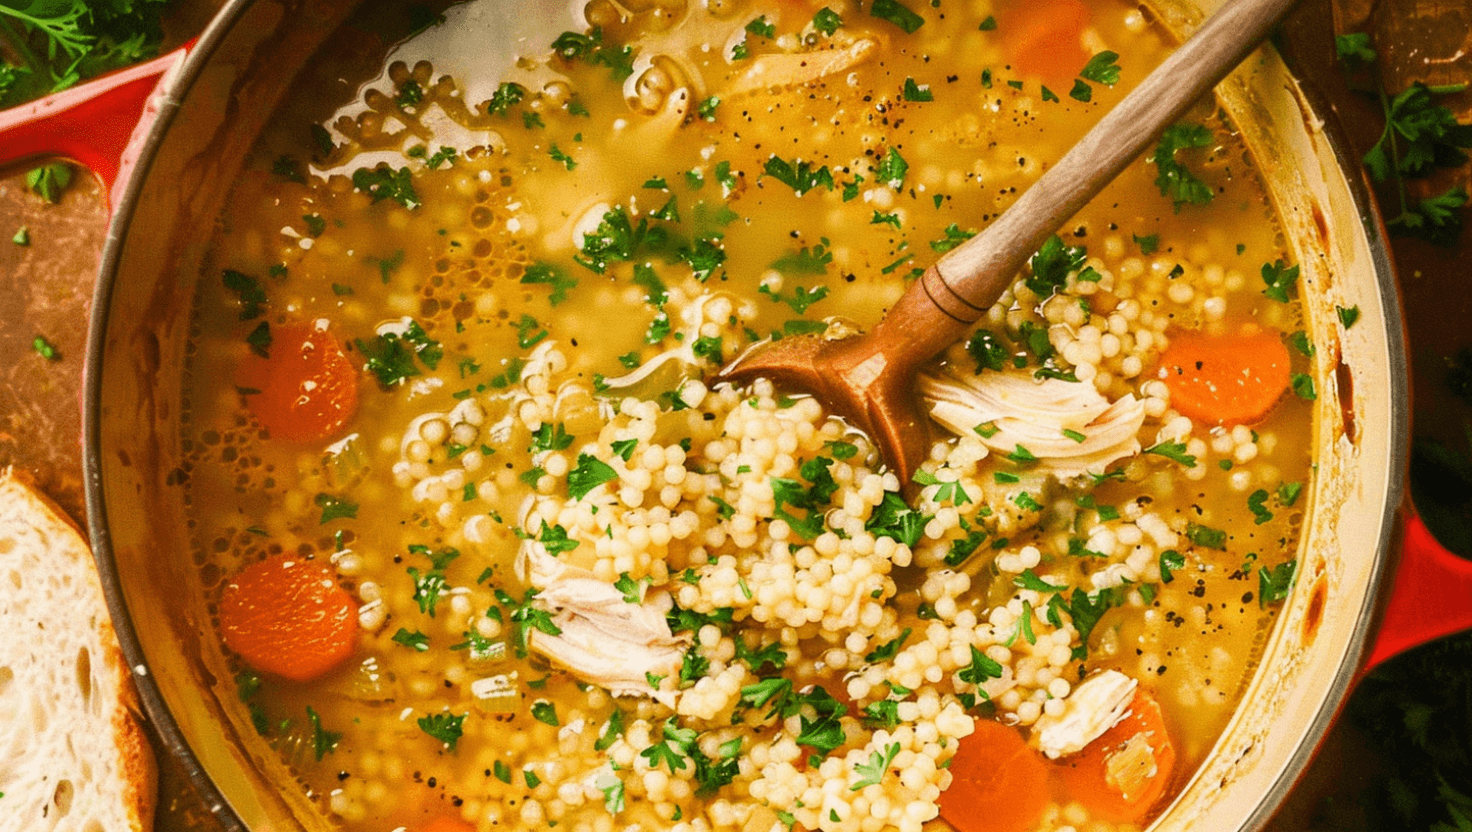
1280 278
323 742
892 169
1303 385
445 727
914 92
546 273
1102 69
895 12
872 773
798 175
827 21
1174 179
1051 266
590 473
1206 536
1170 562
546 712
1174 451
889 649
383 182
1273 585
334 508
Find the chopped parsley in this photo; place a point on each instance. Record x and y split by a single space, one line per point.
1303 385
546 273
390 355
895 12
1174 451
914 92
1206 536
827 21
590 473
1279 277
334 508
798 175
1273 585
892 169
445 727
544 711
872 773
383 182
1174 179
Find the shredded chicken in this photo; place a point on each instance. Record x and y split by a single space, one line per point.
1097 704
683 352
771 72
604 639
1035 414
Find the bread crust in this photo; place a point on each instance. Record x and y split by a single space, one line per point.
84 754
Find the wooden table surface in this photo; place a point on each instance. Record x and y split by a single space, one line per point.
46 287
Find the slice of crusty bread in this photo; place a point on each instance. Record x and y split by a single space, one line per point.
72 753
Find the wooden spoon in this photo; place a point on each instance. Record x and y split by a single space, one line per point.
870 378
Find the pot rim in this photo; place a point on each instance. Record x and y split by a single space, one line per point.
168 728
1352 660
155 708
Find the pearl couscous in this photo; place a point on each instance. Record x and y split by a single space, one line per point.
493 550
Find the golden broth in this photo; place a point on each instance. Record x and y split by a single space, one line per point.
481 452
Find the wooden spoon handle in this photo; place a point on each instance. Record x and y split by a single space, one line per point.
968 280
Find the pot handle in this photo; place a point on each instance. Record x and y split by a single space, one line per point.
101 124
1430 594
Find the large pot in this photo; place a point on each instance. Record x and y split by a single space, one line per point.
202 121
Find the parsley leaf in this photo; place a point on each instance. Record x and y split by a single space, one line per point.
1173 178
827 21
873 771
1279 277
383 182
892 169
334 508
895 12
1273 585
248 289
445 727
914 92
1102 69
798 175
590 473
889 649
1175 451
552 276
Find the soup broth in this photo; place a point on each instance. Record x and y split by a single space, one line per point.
489 547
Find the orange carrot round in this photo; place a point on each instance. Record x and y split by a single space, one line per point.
998 784
1043 40
288 617
1225 379
308 390
1123 774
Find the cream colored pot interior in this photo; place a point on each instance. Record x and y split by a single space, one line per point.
139 345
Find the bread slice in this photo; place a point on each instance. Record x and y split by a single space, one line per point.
73 756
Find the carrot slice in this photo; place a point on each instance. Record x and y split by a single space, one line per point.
1225 379
288 617
447 824
998 784
1043 40
308 388
1124 773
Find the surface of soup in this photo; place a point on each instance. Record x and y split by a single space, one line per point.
490 549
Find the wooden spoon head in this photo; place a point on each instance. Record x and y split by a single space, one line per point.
855 378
